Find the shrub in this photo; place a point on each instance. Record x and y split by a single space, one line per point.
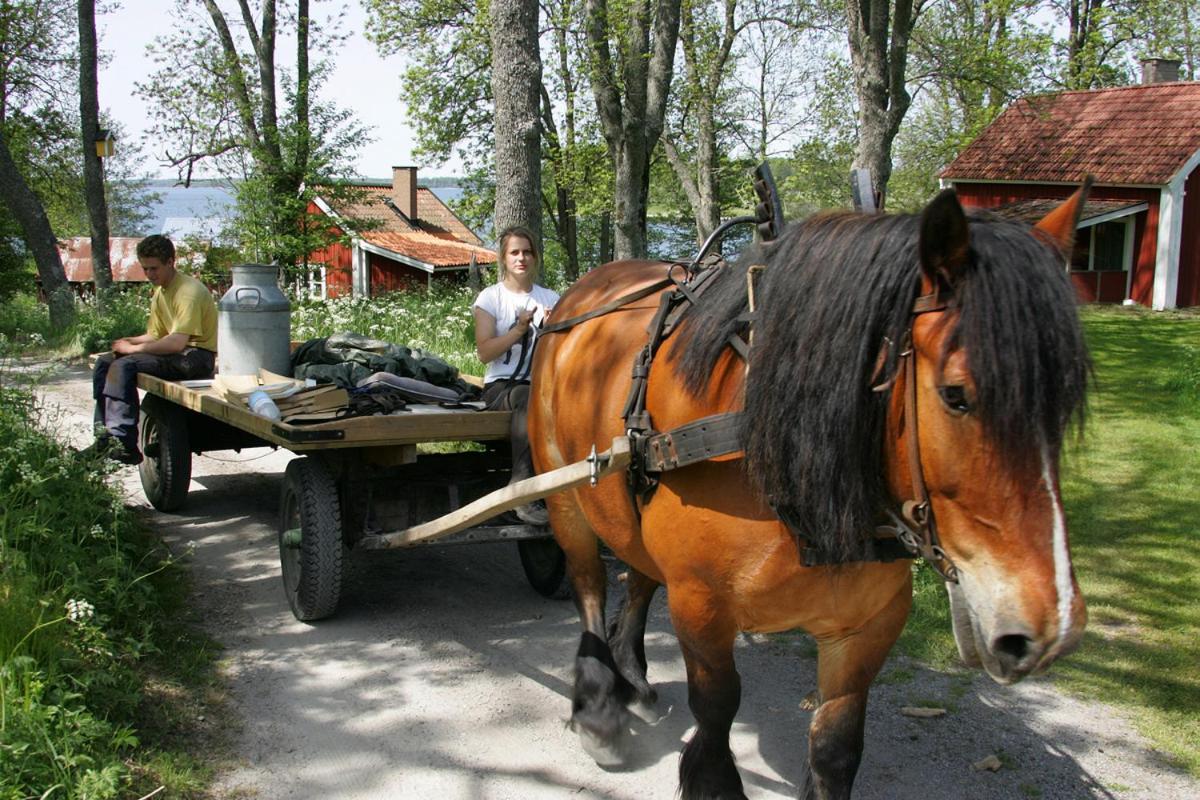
76 614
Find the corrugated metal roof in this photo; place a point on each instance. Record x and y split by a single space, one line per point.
76 256
1134 135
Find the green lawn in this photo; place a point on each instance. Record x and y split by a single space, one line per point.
1132 491
1131 486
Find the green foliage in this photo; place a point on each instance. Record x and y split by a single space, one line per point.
83 596
439 321
124 314
25 324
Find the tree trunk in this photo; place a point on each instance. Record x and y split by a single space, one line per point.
27 208
93 166
879 58
632 107
516 87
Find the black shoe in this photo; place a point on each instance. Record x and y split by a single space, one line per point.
534 513
125 455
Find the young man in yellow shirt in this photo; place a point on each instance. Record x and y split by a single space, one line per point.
180 343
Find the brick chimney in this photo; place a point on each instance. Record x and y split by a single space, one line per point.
1160 70
404 190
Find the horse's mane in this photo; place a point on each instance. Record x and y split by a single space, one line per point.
835 286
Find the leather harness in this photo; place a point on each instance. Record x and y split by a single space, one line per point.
911 531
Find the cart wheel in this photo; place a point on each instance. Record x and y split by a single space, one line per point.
545 566
166 469
310 539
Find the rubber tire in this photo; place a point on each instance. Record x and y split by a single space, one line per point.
167 475
545 566
312 572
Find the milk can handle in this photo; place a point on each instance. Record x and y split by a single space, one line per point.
237 295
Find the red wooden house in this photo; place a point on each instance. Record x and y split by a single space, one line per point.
401 236
1139 238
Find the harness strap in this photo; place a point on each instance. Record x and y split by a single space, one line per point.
693 442
623 300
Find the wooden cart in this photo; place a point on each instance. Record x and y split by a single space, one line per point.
362 483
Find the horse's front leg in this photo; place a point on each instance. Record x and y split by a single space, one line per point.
598 712
846 665
706 634
627 638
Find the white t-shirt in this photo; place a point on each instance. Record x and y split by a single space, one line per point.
504 304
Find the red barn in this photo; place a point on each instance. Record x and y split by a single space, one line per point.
1139 238
411 238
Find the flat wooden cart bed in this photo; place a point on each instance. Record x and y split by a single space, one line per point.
363 484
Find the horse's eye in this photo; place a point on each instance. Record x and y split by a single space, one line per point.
955 398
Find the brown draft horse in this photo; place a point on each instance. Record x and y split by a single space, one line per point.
1000 370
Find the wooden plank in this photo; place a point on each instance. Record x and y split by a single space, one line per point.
376 431
506 499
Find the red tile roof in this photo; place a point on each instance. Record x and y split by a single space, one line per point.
436 237
1139 135
431 249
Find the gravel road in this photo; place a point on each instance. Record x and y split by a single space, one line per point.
444 676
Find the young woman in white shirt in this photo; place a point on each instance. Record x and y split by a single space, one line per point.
508 315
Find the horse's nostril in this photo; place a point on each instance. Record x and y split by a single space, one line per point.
1013 650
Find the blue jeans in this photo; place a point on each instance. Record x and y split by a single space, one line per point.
114 385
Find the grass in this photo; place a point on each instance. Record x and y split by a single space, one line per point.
1131 487
1133 499
99 667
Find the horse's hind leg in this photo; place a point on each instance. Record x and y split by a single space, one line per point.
706 769
601 693
627 639
845 668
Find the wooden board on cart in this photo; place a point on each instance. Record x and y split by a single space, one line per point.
421 424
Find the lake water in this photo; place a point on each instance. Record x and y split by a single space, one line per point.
203 211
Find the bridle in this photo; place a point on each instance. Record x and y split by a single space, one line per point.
915 525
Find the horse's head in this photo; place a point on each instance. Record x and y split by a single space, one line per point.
998 373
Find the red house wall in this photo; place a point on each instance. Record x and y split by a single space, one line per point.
392 276
1188 293
1092 286
338 259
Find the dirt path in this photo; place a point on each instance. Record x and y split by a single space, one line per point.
445 676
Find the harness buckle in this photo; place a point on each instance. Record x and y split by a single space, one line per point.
593 467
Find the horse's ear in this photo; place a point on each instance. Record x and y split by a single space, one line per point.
944 241
1060 224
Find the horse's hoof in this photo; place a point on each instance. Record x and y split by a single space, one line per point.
604 753
647 712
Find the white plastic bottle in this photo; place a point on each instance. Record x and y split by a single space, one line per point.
261 403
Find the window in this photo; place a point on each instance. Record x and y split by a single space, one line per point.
1108 245
1105 247
310 283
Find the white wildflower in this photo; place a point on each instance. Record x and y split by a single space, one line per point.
80 610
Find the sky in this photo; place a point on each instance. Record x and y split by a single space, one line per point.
362 82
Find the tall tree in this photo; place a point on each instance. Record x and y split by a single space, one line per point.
220 98
93 167
631 90
879 31
1098 33
34 66
516 87
707 32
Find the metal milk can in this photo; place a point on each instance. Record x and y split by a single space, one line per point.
254 323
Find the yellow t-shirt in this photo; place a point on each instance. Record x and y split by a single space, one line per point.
184 306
